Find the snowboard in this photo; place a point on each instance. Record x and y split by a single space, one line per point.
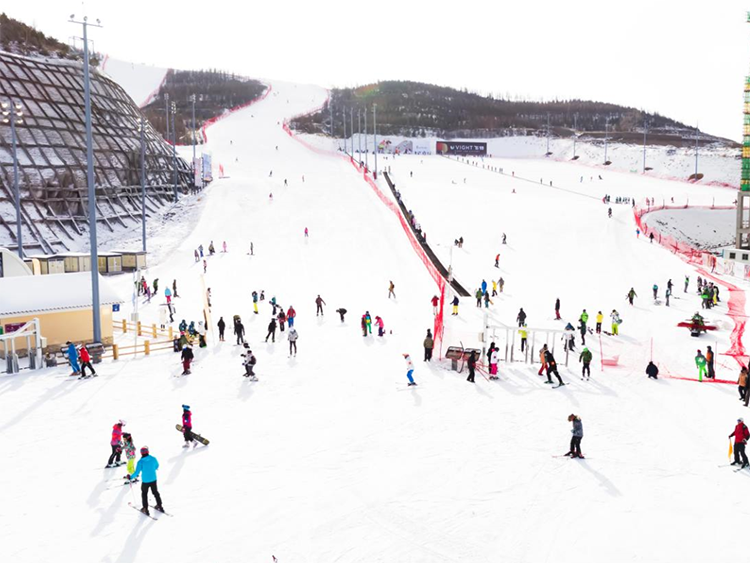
197 437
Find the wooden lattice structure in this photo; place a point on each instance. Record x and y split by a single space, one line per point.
51 149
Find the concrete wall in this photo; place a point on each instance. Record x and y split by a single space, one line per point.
59 327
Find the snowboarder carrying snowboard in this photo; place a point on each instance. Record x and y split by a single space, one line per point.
148 466
187 425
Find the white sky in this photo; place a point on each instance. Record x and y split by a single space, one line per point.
684 59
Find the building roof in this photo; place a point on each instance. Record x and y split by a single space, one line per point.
24 295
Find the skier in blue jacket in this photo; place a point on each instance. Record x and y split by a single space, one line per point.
147 465
73 359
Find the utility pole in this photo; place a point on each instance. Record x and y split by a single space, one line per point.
606 138
375 136
645 131
351 128
547 135
575 133
95 305
343 121
359 134
174 153
366 151
143 181
192 99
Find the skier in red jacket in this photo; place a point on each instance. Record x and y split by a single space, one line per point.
741 436
85 361
435 300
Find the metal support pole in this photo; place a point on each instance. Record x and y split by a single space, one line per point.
192 99
166 114
575 133
359 134
366 151
343 121
375 136
696 156
14 111
143 181
645 131
606 139
91 189
174 153
351 128
547 135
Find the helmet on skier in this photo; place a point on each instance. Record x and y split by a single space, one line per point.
144 450
186 407
585 349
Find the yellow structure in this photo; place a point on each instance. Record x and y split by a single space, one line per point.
61 302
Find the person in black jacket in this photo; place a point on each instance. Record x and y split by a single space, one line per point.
187 358
341 313
652 370
239 330
222 325
521 318
472 363
551 367
272 330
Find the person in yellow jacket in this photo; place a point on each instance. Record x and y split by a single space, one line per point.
524 334
599 321
494 288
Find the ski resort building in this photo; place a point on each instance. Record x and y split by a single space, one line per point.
61 302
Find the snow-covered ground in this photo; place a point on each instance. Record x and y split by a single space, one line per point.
329 456
700 227
719 165
140 81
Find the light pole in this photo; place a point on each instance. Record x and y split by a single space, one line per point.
547 135
13 114
192 100
606 138
366 151
143 180
174 153
343 120
375 136
90 179
696 153
351 128
645 132
359 134
166 114
575 133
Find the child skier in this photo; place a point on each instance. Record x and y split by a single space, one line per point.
575 441
381 326
129 447
409 369
494 359
249 362
543 359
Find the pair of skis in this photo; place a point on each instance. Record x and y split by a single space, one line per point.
134 507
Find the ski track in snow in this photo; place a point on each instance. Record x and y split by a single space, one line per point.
321 459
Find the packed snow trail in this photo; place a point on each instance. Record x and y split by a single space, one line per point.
323 459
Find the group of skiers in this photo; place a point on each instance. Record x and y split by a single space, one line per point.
79 359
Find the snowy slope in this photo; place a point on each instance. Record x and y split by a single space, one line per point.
702 228
140 81
329 457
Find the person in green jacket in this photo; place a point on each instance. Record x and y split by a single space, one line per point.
700 362
584 319
479 294
585 357
429 344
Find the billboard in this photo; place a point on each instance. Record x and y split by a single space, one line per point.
422 147
207 173
460 147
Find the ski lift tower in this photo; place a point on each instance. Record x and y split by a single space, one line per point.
743 196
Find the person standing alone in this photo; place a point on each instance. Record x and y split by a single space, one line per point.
575 441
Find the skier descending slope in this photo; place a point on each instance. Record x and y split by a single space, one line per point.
148 466
552 368
409 369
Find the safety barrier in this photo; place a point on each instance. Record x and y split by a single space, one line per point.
138 328
145 348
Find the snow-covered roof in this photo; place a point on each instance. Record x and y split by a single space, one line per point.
24 295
